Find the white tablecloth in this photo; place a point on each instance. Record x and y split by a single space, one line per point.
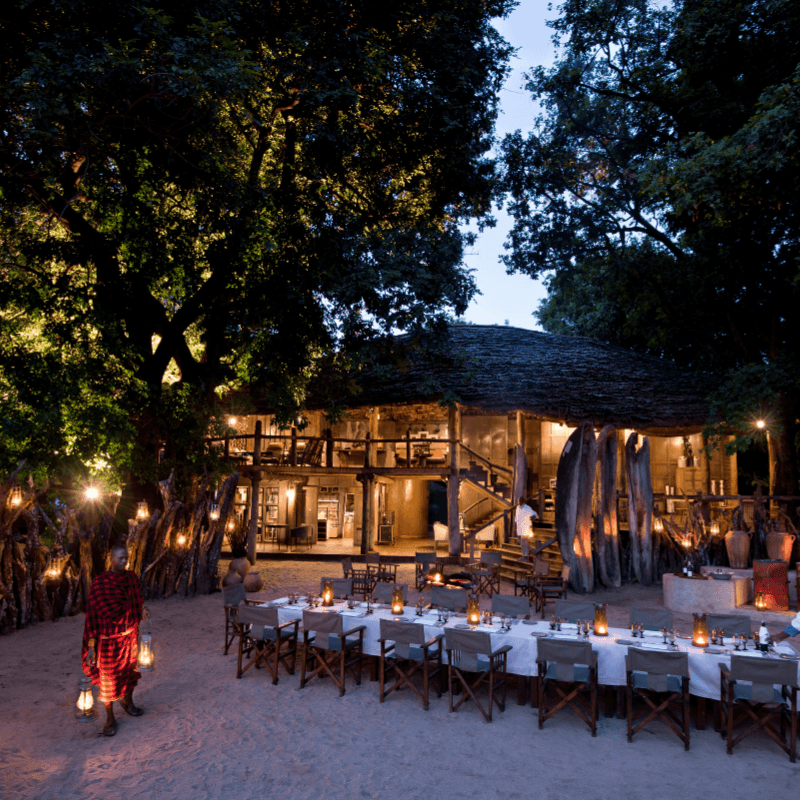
703 666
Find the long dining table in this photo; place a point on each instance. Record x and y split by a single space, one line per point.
524 635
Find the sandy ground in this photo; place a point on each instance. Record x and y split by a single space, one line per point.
207 735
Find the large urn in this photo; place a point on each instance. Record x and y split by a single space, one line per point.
779 545
240 565
737 543
231 578
253 582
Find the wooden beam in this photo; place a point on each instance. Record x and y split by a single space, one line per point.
255 486
454 429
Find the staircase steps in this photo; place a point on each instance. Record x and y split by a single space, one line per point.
512 553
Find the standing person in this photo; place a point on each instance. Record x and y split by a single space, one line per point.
111 634
524 520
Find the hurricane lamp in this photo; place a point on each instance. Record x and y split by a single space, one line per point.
761 601
714 528
145 660
473 610
600 619
181 540
213 512
327 594
141 511
700 631
85 704
52 572
686 541
16 496
658 524
397 601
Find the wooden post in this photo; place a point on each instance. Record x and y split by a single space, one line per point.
367 454
328 447
366 512
521 430
454 428
408 447
255 489
293 448
706 467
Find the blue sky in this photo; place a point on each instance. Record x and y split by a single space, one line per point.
511 297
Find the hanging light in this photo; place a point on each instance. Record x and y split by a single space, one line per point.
141 511
181 540
397 601
92 493
232 422
760 424
145 661
700 631
85 704
473 610
52 572
600 619
658 524
714 528
16 496
686 541
327 594
213 512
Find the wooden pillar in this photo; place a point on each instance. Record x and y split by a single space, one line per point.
255 490
328 448
706 462
293 448
454 428
521 430
366 512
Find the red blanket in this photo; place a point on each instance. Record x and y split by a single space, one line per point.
113 613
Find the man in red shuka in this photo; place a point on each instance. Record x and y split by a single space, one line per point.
111 634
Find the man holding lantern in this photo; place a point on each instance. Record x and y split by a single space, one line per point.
110 637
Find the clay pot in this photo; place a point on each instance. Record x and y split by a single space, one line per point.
240 565
253 582
231 579
779 545
737 543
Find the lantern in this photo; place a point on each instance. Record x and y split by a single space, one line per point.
141 511
92 493
327 594
473 610
213 512
761 601
397 601
16 496
700 631
145 660
86 710
686 541
600 620
714 528
229 526
658 525
232 422
181 540
52 572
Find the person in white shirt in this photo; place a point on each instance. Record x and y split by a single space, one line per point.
792 629
524 520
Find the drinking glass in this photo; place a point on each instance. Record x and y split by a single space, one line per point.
553 622
445 616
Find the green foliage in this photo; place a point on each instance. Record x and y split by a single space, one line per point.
658 193
216 197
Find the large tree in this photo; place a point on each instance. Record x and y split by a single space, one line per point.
658 194
220 195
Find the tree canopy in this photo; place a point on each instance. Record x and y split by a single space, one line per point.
206 197
658 194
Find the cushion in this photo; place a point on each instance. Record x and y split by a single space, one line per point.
581 672
761 693
483 665
640 681
334 642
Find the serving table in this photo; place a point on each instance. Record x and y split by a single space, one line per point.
524 636
705 595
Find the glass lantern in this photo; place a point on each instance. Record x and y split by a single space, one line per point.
213 512
327 594
397 601
16 496
658 525
141 511
145 660
85 704
473 610
181 540
714 528
600 619
700 631
761 601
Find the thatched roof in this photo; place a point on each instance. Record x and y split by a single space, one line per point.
493 369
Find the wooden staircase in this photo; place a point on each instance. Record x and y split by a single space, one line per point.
512 553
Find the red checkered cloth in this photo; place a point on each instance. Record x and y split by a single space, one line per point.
113 613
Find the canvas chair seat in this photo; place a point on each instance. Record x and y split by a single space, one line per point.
661 680
653 619
263 641
405 642
573 664
486 575
528 580
331 650
755 694
470 652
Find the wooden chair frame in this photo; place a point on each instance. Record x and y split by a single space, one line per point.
659 704
269 652
571 697
363 580
403 677
421 570
232 630
494 679
325 663
761 714
486 577
553 588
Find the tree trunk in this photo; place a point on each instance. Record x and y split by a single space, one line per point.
640 508
567 484
583 513
606 525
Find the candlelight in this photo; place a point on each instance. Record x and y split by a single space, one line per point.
761 601
229 526
51 573
473 610
686 541
92 493
397 600
181 539
16 496
86 710
700 631
141 511
761 424
600 620
714 528
658 525
145 660
327 594
213 513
